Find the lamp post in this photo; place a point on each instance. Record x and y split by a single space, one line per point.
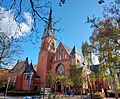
7 86
8 81
116 71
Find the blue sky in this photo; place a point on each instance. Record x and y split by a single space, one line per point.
73 16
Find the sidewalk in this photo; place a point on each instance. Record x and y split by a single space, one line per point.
75 97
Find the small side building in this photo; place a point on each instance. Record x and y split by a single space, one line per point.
30 79
23 76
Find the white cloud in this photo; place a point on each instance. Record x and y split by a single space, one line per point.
13 28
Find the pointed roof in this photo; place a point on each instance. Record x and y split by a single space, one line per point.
49 30
19 64
36 75
74 51
29 68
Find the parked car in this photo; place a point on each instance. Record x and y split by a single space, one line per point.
35 97
27 97
72 92
45 91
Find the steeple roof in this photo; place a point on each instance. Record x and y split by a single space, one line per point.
49 29
29 68
70 51
74 51
20 64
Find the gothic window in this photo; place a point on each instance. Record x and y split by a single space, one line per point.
52 46
60 69
42 55
73 61
44 45
60 50
60 57
55 58
25 76
65 56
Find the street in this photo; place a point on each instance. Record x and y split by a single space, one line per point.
57 97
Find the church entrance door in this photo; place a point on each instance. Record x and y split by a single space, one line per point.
58 86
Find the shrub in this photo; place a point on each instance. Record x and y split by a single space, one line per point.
22 93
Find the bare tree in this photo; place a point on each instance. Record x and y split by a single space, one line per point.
37 8
22 16
9 48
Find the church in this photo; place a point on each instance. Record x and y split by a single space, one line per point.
58 59
50 58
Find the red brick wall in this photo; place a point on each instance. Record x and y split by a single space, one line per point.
45 58
24 82
42 67
18 84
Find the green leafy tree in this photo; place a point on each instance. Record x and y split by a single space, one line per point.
105 43
86 51
50 78
67 82
105 40
76 76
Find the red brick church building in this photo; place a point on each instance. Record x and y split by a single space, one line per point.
58 59
23 75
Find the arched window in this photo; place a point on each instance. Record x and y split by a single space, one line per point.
65 56
52 46
25 76
55 58
60 70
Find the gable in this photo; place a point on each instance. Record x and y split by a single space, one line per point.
61 53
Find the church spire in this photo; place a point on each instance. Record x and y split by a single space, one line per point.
49 29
